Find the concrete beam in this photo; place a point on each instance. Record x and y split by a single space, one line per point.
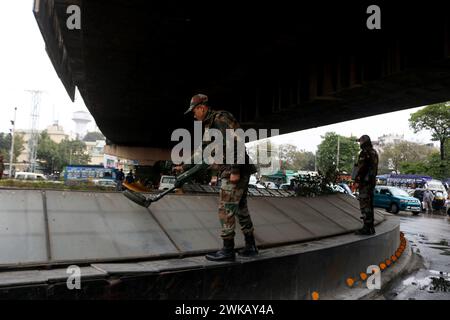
145 156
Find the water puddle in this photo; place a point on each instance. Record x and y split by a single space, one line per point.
439 282
440 245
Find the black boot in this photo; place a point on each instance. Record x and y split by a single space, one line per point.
224 254
250 248
367 230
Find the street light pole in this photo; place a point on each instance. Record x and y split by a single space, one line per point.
12 143
337 161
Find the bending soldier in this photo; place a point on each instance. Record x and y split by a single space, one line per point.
234 183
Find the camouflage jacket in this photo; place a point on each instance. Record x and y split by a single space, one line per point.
367 166
223 120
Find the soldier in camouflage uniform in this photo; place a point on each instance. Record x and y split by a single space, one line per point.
234 183
2 167
366 179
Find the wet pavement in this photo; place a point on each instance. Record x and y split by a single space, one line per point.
428 275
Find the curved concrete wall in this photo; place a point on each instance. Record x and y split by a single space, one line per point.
41 227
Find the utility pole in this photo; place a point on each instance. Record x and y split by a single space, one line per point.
33 142
315 161
337 160
11 155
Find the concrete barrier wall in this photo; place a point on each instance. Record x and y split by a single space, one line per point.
285 272
42 227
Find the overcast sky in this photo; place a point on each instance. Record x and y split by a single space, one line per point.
24 65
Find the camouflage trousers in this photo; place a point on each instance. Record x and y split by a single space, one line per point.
366 202
232 203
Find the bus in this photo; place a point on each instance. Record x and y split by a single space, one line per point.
404 181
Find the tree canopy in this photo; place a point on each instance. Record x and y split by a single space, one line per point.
54 156
327 153
395 154
5 145
294 159
93 136
436 118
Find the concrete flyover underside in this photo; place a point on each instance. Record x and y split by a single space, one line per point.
126 251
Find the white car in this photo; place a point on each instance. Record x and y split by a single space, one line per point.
271 185
167 182
105 183
436 185
256 186
30 176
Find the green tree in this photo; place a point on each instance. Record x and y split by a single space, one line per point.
433 166
73 152
294 159
93 136
437 168
5 145
47 153
54 157
327 153
436 118
394 155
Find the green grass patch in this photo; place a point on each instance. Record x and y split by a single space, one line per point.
85 186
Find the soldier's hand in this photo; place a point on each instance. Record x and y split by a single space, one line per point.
234 178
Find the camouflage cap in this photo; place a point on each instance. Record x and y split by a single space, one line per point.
363 139
196 100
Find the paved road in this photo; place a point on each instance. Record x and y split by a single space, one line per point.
429 276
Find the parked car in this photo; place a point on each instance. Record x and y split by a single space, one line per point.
271 185
438 201
394 199
436 185
167 182
30 176
256 186
109 183
347 189
285 186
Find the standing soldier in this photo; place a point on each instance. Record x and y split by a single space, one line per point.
2 166
366 180
234 183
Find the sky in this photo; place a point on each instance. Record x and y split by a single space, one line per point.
24 65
